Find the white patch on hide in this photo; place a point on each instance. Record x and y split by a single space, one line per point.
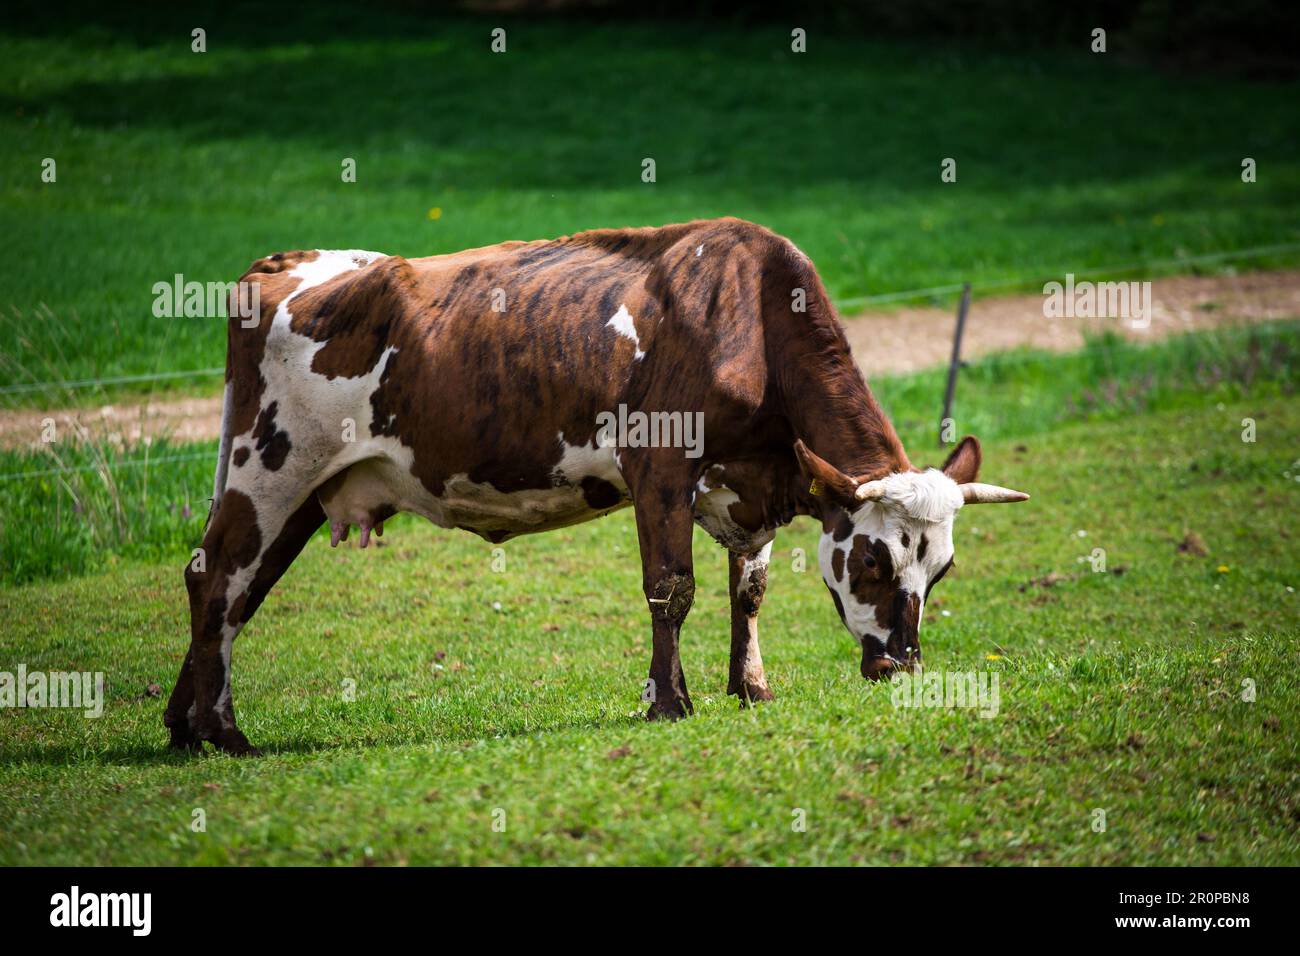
622 324
587 461
712 504
754 562
311 408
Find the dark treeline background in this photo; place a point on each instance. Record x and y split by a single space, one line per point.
1247 37
1252 36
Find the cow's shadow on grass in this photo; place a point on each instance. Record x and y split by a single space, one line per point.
158 754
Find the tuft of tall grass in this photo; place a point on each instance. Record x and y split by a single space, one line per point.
80 505
86 498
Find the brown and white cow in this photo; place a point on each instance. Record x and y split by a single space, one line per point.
468 388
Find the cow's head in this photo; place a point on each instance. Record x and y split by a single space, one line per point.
886 542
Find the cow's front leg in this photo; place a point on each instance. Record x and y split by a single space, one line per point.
748 579
664 528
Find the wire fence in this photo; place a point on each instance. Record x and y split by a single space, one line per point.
998 359
1010 282
1002 359
842 304
1032 355
123 463
101 382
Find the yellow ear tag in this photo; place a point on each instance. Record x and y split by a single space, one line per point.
815 488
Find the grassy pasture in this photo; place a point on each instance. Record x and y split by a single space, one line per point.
517 691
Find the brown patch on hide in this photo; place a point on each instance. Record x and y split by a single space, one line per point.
871 576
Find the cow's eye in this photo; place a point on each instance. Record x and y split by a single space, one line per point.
938 577
868 561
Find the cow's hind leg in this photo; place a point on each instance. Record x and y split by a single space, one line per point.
245 551
748 583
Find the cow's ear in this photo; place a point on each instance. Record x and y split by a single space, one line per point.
825 481
963 464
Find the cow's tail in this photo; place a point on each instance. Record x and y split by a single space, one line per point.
223 455
227 415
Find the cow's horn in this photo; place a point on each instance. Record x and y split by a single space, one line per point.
870 491
978 493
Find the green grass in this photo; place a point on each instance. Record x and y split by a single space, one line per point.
1120 691
175 162
90 505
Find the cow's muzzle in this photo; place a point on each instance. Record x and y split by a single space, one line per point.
878 666
902 650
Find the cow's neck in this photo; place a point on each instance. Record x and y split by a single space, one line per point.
830 407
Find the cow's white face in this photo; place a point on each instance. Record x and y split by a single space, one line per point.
887 541
880 561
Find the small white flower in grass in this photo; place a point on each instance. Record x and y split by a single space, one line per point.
1081 533
946 613
496 605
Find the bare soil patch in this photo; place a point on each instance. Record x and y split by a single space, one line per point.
913 338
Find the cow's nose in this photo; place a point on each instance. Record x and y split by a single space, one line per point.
880 667
886 665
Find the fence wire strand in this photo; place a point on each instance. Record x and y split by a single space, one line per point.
851 302
994 359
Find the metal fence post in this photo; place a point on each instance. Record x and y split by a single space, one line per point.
955 362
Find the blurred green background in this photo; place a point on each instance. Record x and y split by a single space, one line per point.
173 161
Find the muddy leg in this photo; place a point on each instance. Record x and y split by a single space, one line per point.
176 717
748 583
669 584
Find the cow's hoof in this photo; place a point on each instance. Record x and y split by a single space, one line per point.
674 709
752 694
184 738
231 740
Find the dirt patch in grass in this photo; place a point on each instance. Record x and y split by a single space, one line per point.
913 338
